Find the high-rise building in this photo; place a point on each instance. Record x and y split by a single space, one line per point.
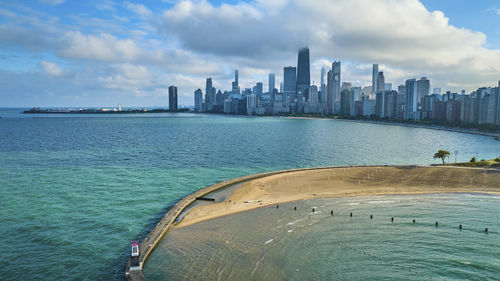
289 82
336 68
235 86
388 87
333 87
313 94
423 88
303 73
198 101
436 91
330 99
401 89
322 86
271 82
355 96
208 91
172 98
346 86
411 104
380 81
374 78
258 90
214 96
251 104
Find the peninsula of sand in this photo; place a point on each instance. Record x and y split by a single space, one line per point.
273 188
347 181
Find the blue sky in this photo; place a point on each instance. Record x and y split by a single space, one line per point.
104 53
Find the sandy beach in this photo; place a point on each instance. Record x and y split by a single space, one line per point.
342 181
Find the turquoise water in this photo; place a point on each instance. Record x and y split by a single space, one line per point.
283 244
76 189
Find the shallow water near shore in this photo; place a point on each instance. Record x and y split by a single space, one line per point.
283 244
74 190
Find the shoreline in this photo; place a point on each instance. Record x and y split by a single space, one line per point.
496 136
346 182
322 182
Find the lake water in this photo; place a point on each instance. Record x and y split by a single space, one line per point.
76 189
287 244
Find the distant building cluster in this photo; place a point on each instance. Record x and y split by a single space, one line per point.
411 101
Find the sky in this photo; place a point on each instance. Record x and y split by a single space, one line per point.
69 53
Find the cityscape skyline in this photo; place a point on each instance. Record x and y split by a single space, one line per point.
413 100
62 53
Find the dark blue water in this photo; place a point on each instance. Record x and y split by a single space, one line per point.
76 189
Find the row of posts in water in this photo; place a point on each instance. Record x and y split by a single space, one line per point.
392 218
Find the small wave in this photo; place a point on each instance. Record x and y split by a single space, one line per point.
352 204
380 202
268 241
294 222
291 230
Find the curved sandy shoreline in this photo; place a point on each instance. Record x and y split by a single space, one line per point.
345 181
276 187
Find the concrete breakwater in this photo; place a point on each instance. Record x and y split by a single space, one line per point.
147 245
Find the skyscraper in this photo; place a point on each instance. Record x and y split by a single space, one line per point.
313 94
235 86
380 81
258 90
322 85
410 111
172 98
423 88
374 77
208 91
289 82
333 87
336 68
271 82
330 100
303 73
198 101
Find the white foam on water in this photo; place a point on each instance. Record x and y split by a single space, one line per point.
268 241
381 202
294 222
351 204
291 230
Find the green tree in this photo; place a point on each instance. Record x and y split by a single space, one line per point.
442 154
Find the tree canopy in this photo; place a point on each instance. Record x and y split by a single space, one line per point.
442 154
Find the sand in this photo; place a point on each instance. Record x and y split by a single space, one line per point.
356 181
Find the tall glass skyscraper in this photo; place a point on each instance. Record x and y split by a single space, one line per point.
411 103
271 82
235 86
303 73
172 98
198 100
208 91
374 78
289 82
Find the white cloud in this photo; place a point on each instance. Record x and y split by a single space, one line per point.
106 5
139 9
51 2
193 39
400 33
103 47
53 69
